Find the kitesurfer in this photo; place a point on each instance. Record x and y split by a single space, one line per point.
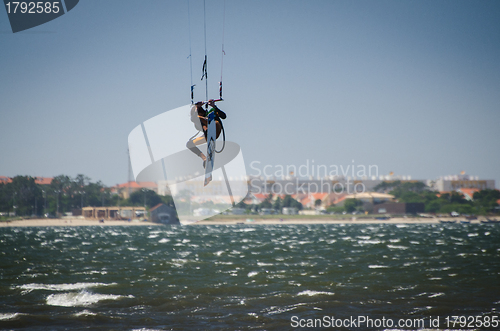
199 118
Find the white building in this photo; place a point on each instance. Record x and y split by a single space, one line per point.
457 182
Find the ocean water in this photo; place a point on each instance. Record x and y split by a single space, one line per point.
244 277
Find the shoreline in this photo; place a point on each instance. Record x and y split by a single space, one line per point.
322 220
237 220
71 222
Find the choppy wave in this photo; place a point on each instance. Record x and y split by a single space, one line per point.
80 299
85 313
60 287
9 316
313 293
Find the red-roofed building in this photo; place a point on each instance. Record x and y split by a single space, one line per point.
43 180
309 201
327 199
5 180
255 198
468 192
38 180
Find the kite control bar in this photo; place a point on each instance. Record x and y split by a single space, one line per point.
215 100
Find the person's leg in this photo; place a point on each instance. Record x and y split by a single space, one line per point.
191 144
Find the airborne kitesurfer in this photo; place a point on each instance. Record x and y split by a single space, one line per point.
199 118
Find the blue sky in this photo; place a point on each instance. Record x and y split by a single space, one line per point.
409 86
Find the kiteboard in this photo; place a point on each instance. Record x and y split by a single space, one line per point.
211 138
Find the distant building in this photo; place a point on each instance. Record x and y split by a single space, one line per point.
398 208
290 211
462 181
5 180
309 200
255 198
43 180
369 199
114 213
164 214
468 193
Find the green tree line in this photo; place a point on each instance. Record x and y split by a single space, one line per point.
24 197
484 202
278 204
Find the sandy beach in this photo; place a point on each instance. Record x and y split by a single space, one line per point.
71 222
323 220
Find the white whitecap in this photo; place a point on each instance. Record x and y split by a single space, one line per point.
8 316
374 266
435 295
397 247
313 293
164 240
60 287
85 312
252 273
370 242
245 230
80 299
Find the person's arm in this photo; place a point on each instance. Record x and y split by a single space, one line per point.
220 113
